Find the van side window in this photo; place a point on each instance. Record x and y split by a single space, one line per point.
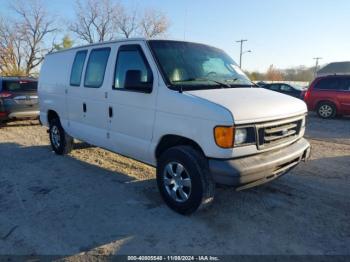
131 57
77 68
96 67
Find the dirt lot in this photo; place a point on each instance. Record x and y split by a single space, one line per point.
98 202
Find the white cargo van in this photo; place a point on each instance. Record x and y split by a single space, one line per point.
185 108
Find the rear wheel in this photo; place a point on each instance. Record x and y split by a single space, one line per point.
184 180
61 142
326 110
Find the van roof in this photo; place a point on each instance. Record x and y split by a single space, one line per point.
120 41
100 43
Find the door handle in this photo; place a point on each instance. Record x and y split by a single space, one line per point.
110 112
84 107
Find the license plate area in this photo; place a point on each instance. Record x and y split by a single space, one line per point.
26 100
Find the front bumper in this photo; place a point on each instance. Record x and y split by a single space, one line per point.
258 169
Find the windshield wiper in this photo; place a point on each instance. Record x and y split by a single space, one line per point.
221 84
235 79
231 80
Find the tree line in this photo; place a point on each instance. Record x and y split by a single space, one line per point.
30 31
301 73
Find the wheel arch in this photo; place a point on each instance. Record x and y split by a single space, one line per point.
52 114
168 141
327 101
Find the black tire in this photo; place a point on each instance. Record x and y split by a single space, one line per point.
326 110
2 123
196 167
66 142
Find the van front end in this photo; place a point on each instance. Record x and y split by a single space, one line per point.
280 147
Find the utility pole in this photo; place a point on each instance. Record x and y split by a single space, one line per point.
241 52
316 66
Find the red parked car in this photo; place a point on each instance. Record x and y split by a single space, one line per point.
329 96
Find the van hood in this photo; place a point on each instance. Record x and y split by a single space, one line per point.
251 105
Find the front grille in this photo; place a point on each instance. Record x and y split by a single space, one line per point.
275 133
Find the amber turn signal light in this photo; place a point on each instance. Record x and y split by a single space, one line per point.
224 136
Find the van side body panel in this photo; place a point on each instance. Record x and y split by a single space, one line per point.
190 117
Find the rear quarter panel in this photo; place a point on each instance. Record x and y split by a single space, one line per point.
318 96
53 80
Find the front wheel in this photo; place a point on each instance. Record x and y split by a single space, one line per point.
184 180
61 142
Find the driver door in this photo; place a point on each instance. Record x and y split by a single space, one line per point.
131 114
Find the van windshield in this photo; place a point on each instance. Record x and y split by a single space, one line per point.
191 66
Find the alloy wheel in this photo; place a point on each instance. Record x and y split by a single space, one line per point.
55 136
325 111
177 182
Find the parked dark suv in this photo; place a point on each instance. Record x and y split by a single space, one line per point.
18 98
329 96
283 88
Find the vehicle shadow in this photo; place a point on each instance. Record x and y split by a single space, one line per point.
19 123
81 145
59 205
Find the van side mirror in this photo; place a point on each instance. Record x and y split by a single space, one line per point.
133 82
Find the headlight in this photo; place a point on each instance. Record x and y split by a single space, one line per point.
245 136
230 136
240 136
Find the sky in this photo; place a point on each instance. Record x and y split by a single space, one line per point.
285 33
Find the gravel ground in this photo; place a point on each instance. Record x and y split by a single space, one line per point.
93 201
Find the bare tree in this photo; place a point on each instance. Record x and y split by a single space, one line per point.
104 20
94 21
34 27
10 51
23 39
126 22
153 23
